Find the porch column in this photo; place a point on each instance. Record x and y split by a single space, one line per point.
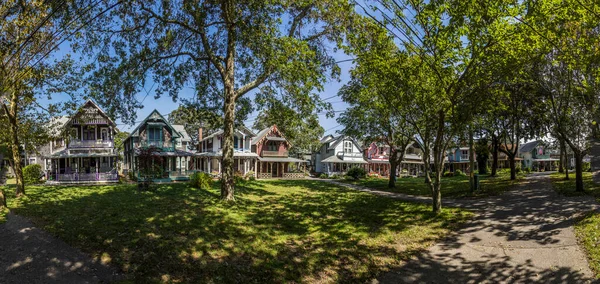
219 166
208 164
255 169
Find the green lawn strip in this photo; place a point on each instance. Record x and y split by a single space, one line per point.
588 229
567 187
588 234
457 186
276 231
3 213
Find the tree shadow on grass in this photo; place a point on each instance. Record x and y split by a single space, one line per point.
309 231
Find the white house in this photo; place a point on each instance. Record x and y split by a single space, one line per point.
337 155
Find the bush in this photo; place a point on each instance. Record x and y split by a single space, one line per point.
356 173
131 175
586 166
201 180
448 174
459 173
250 175
32 174
527 170
323 175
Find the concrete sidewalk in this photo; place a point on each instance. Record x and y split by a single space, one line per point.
31 255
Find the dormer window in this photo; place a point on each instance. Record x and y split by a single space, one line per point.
154 134
271 146
347 146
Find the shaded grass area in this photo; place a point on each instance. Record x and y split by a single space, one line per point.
457 186
588 229
276 231
3 213
567 187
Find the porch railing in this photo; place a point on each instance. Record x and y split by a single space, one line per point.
109 176
266 153
293 175
91 144
181 173
265 175
158 144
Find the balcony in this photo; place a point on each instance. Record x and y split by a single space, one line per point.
91 144
266 153
351 155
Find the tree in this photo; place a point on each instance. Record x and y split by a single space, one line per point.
148 165
30 32
376 94
448 43
222 49
568 71
483 154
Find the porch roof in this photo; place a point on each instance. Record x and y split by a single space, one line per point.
176 153
335 159
65 154
281 159
546 160
220 154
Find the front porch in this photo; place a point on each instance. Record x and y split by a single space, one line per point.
279 167
82 169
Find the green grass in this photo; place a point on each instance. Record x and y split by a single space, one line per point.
451 186
567 187
588 233
3 213
276 231
588 229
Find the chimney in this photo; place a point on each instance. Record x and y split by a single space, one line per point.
200 139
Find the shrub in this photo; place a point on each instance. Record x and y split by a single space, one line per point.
250 175
448 174
586 166
334 176
527 170
201 180
357 173
131 175
32 174
323 175
459 173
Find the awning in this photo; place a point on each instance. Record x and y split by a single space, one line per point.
272 138
220 154
335 159
281 159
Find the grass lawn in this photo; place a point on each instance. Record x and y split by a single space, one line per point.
276 231
588 229
451 186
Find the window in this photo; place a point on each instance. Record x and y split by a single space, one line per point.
271 146
154 134
104 134
74 133
31 161
464 154
347 147
89 133
235 142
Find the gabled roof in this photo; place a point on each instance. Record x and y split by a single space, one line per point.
337 140
90 102
241 128
181 129
57 124
327 138
263 134
154 115
527 147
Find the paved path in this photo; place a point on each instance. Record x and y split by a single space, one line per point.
525 235
31 255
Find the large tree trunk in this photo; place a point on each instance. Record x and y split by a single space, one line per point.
393 167
513 168
2 198
471 161
494 154
563 147
561 159
578 172
436 190
227 180
14 137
